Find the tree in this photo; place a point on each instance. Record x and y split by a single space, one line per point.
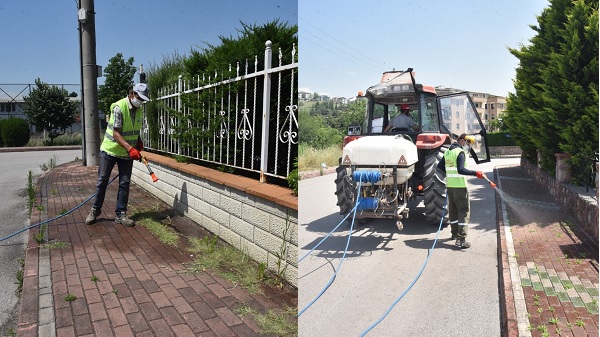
48 107
119 81
555 104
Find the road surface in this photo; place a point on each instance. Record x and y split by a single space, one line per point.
456 295
14 168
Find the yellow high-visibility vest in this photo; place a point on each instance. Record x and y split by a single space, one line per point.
453 178
130 130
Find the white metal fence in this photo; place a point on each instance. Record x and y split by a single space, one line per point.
237 121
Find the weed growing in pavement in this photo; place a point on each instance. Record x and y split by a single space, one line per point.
553 321
580 323
163 233
225 261
70 297
53 191
542 328
40 208
95 278
570 325
63 212
19 281
30 192
50 165
530 327
274 323
11 332
551 309
282 253
536 297
558 331
40 236
540 310
56 244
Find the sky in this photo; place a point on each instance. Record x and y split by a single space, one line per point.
40 37
345 46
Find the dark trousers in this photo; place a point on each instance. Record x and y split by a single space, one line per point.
458 211
107 163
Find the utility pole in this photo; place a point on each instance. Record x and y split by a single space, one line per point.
89 75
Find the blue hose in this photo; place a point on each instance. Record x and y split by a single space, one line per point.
55 218
415 279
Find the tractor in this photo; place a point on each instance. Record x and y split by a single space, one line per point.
382 168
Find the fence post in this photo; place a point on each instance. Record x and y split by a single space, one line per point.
264 149
179 90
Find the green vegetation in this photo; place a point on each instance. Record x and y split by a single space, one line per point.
30 192
49 108
500 139
162 232
226 261
555 105
62 140
118 81
50 165
70 297
15 132
275 323
311 158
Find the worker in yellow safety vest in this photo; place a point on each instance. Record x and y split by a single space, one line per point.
121 146
454 164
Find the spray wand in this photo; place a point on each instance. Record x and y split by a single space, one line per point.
145 161
489 181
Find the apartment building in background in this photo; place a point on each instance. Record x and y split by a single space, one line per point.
489 107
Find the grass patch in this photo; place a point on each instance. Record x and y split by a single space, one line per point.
310 158
66 139
278 324
56 245
163 233
70 297
227 262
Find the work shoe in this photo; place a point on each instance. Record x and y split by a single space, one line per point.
454 237
462 243
91 218
124 220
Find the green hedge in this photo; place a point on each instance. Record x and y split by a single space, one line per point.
500 139
15 132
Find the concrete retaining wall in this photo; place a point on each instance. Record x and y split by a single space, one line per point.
496 151
260 220
582 207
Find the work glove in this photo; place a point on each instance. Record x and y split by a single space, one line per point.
479 174
140 145
134 154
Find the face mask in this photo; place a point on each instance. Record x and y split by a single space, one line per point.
136 102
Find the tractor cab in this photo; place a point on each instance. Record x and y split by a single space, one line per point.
450 115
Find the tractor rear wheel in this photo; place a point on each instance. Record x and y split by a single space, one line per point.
344 189
434 190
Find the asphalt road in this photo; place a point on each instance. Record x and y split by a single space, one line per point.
456 295
14 168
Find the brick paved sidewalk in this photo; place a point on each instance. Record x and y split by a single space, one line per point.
125 282
553 264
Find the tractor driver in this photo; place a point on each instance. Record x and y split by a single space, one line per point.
403 121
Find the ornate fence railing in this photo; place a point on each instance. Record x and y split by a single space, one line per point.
233 119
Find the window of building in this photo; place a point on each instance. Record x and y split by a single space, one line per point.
8 107
457 126
457 114
492 106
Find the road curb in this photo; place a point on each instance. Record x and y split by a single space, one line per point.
508 315
40 148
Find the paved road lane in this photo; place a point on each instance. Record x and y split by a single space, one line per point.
14 168
457 294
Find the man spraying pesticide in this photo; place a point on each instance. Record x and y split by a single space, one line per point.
455 165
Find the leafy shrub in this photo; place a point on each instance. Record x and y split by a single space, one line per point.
293 178
15 132
500 139
1 124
